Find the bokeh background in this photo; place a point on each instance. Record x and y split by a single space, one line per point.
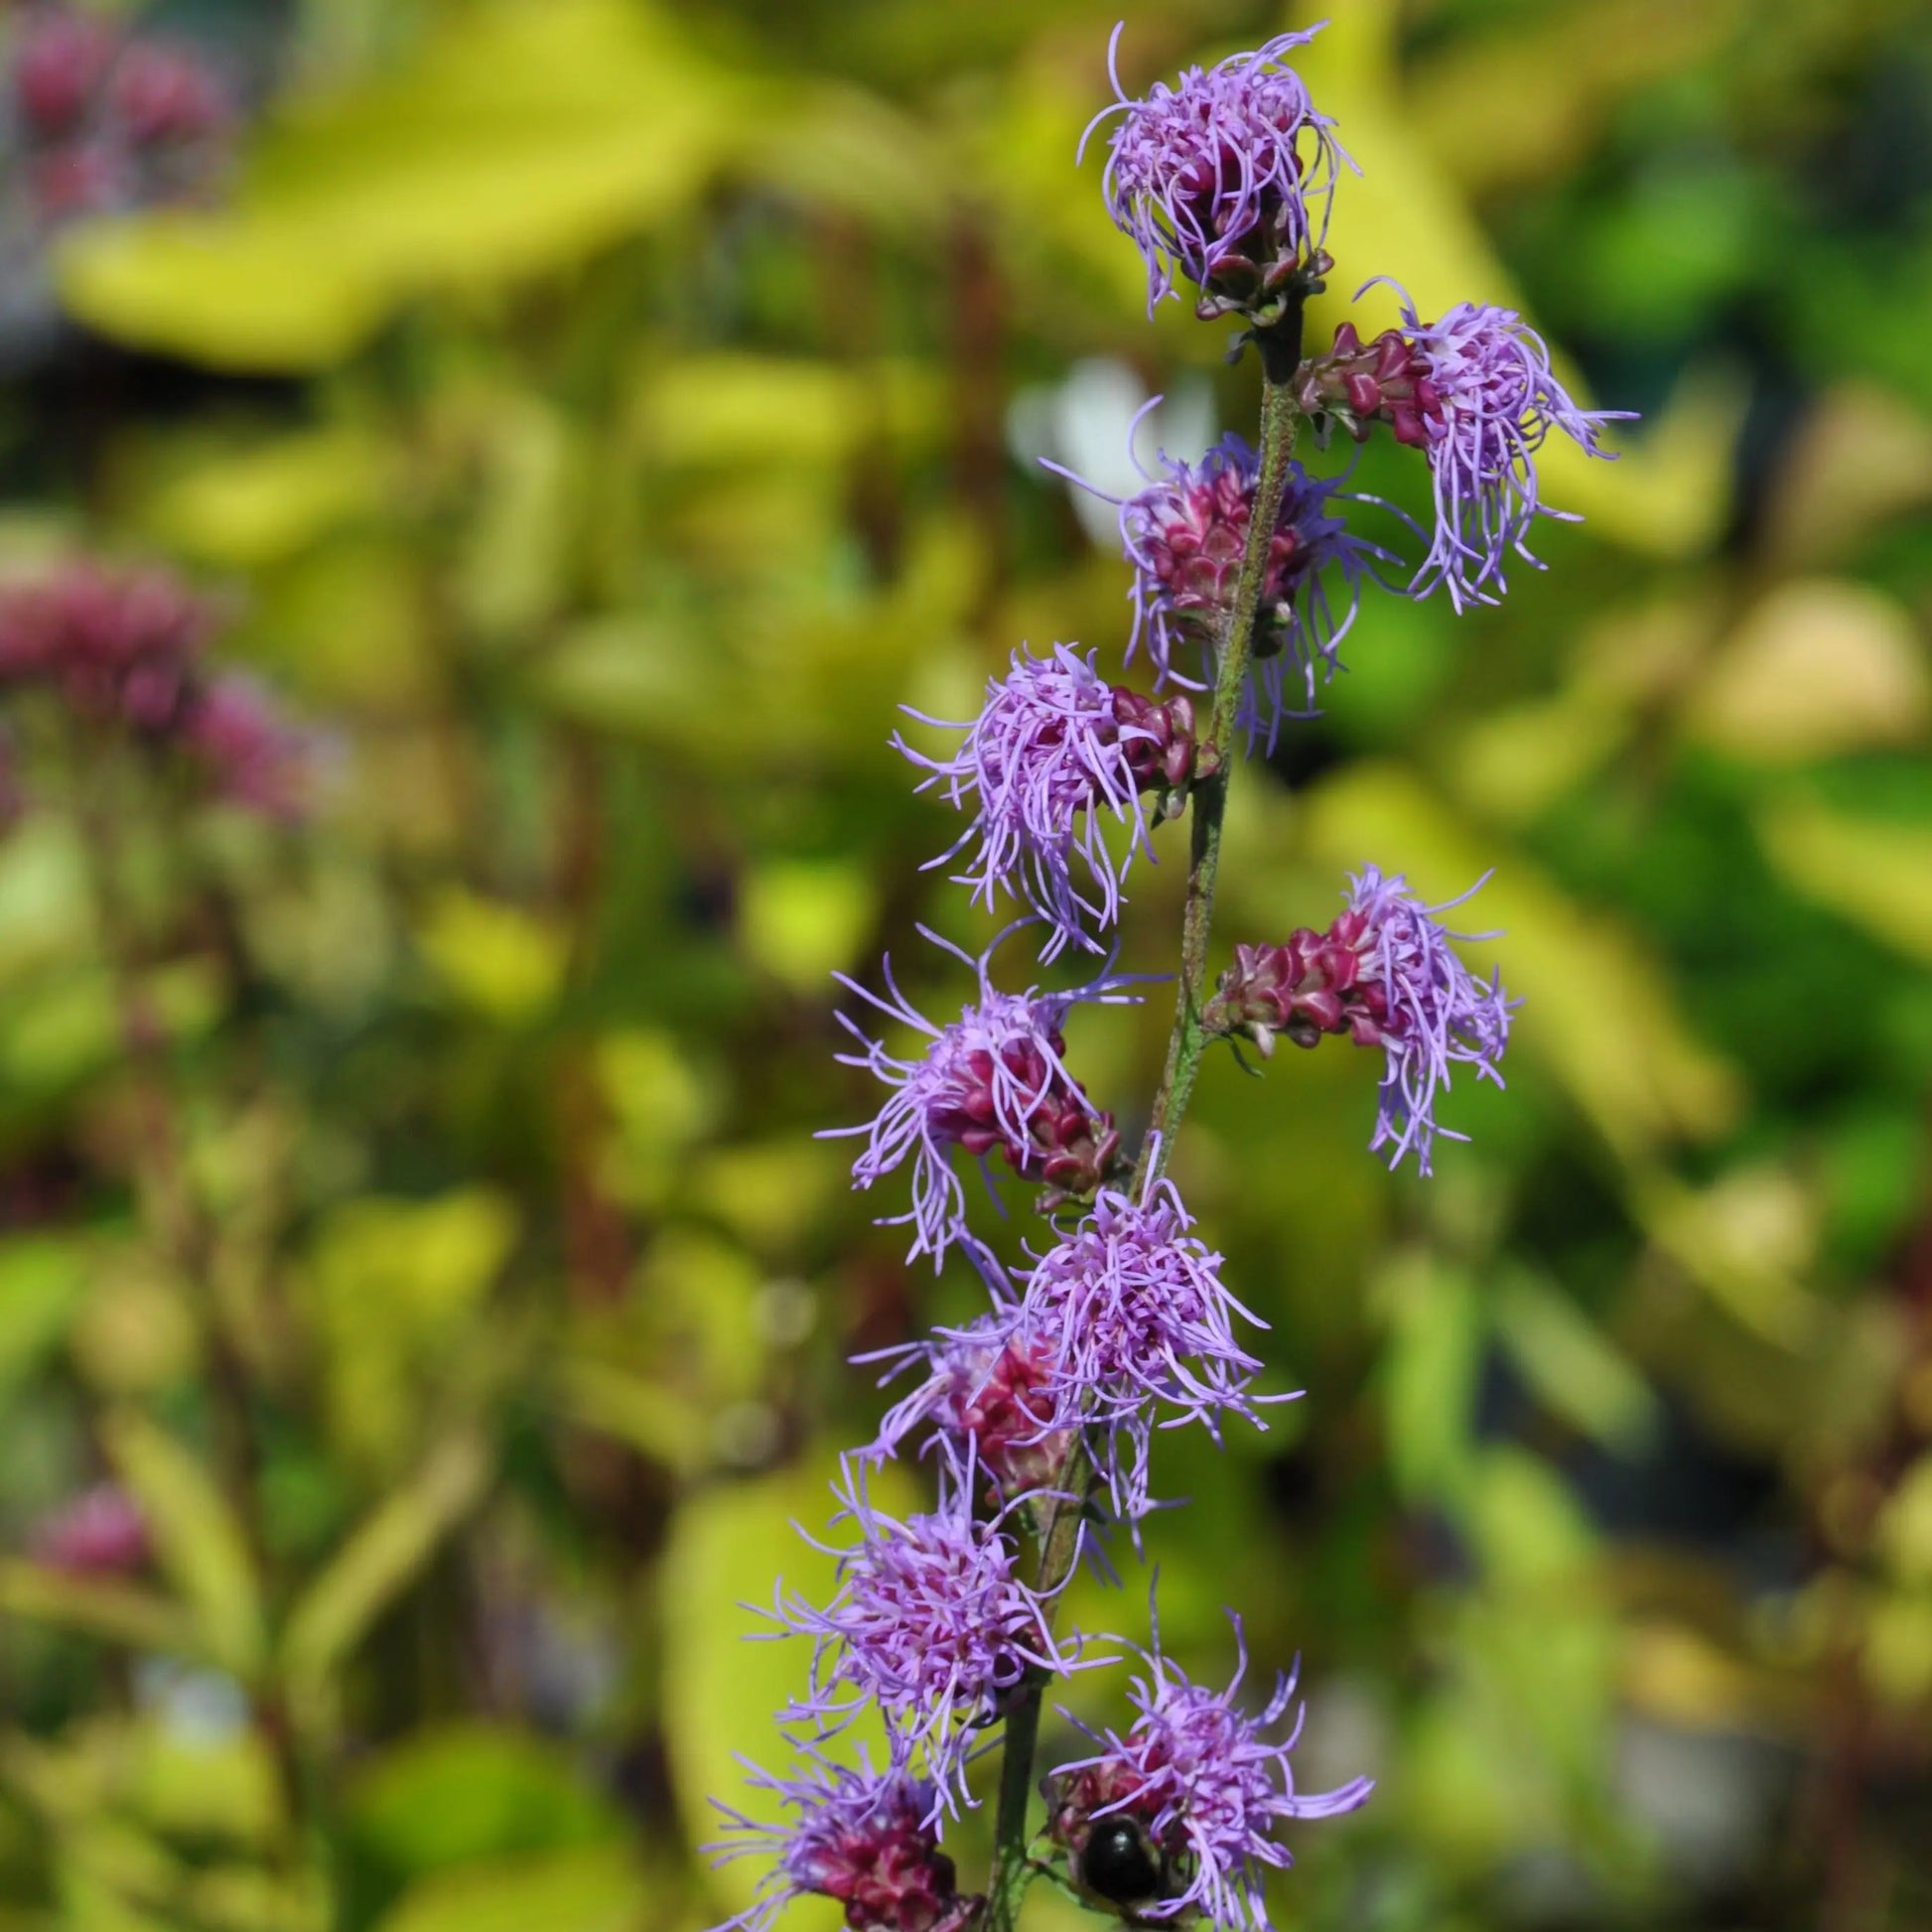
596 416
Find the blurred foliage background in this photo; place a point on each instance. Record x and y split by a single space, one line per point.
599 415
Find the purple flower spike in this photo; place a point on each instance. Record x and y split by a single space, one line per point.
1197 1775
1475 392
1136 1322
1224 179
995 1080
862 1837
1055 749
931 1623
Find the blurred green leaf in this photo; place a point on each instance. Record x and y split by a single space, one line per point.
1573 1370
461 1794
115 1612
197 1538
42 1277
380 1558
801 920
1437 1333
598 1888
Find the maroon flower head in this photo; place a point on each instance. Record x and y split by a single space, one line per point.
255 758
864 1838
116 645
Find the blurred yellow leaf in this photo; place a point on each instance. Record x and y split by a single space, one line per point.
1674 1674
197 1538
1905 1527
1861 456
593 1889
251 507
722 408
42 1280
1817 667
1876 874
115 1612
801 918
500 959
658 1424
379 1558
389 1284
1595 1008
1538 84
1748 1239
520 140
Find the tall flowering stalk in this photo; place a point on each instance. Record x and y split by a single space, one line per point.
1041 1416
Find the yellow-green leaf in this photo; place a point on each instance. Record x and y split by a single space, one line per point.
115 1612
379 1558
197 1538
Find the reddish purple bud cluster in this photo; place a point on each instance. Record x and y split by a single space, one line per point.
1358 384
1197 1775
124 649
106 121
987 1391
1186 536
863 1837
1475 393
1224 180
1055 749
99 1533
1385 974
994 1081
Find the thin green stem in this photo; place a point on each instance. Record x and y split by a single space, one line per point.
1060 1537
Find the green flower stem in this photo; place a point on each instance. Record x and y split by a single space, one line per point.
1059 1539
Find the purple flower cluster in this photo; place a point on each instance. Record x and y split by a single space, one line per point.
864 1838
102 1532
1224 180
124 650
1197 1775
104 121
1386 974
1123 1325
1053 752
994 1081
932 1625
1476 394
